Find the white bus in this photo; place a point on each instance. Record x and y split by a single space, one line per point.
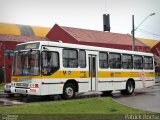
49 68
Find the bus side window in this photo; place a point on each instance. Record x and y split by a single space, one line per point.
115 60
138 62
70 58
82 58
103 60
148 63
50 62
127 61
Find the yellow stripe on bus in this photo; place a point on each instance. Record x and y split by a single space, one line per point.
85 74
124 74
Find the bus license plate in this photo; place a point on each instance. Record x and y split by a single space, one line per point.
21 91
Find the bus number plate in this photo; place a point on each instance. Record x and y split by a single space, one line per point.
21 91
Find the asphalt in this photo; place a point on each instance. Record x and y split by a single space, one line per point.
147 99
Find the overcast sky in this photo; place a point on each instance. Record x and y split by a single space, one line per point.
85 14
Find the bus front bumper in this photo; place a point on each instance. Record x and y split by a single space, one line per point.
28 91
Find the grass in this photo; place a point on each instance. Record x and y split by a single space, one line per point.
157 77
2 86
90 107
100 105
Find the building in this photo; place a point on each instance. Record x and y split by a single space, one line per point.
149 42
10 36
94 38
156 49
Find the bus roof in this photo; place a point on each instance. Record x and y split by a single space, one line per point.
93 48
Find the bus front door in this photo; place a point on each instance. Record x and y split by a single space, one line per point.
93 72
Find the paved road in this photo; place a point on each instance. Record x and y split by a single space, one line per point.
6 100
145 99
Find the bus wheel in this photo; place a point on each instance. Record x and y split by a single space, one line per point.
68 91
129 88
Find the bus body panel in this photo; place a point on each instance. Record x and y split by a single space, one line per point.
89 78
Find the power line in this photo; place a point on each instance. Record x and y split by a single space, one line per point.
144 20
147 32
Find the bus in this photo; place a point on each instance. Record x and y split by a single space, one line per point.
55 68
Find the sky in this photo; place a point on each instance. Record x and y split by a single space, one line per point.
86 14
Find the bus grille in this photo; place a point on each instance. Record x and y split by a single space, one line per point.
22 85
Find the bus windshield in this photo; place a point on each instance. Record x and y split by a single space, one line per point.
26 63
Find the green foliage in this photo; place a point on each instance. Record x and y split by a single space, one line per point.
1 86
1 75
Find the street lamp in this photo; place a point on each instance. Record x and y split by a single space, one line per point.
135 28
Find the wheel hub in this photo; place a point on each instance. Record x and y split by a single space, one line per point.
130 88
69 91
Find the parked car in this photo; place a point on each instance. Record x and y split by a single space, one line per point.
7 89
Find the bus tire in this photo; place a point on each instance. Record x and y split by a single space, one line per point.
69 91
129 88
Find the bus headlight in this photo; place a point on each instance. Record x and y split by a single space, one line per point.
33 85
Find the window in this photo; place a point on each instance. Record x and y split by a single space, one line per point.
26 63
148 63
33 63
82 58
70 58
138 62
50 62
93 66
115 60
103 60
127 61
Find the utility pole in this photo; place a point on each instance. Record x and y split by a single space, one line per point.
133 35
135 28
